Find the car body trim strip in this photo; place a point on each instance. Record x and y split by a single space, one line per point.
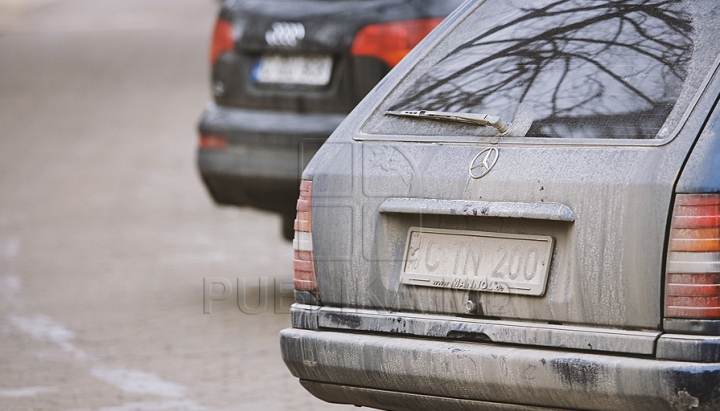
508 332
538 211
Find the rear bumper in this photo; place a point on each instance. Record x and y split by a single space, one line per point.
369 370
413 361
265 156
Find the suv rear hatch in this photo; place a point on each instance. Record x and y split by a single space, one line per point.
274 37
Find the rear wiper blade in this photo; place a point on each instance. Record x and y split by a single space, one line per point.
479 119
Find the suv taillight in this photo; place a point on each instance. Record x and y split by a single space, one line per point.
303 261
212 141
223 40
692 288
390 42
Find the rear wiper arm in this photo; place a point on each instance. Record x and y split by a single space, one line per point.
479 119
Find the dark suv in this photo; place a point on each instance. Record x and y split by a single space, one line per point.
285 73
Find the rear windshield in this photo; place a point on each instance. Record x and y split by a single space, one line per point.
582 69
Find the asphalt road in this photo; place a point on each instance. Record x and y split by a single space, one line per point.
106 233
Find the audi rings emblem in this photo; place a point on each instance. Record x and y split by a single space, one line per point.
483 162
285 34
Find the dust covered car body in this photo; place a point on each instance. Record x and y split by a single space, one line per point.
285 73
524 215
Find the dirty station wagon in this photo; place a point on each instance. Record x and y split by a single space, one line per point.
524 215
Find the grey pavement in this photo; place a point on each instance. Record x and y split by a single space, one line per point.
106 232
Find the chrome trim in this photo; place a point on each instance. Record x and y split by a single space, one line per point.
286 34
538 211
485 165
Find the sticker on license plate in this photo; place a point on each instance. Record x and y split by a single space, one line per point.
300 70
477 261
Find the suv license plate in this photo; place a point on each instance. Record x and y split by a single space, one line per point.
302 70
477 261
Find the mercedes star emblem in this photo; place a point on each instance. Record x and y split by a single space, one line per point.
483 162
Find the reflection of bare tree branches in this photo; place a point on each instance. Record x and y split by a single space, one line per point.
569 58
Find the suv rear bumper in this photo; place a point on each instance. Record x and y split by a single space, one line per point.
265 155
363 369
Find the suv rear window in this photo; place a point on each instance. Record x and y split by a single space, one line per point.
570 69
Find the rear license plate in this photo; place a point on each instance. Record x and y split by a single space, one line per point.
478 261
302 70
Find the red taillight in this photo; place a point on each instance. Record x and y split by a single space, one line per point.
303 261
223 40
693 274
390 42
212 141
